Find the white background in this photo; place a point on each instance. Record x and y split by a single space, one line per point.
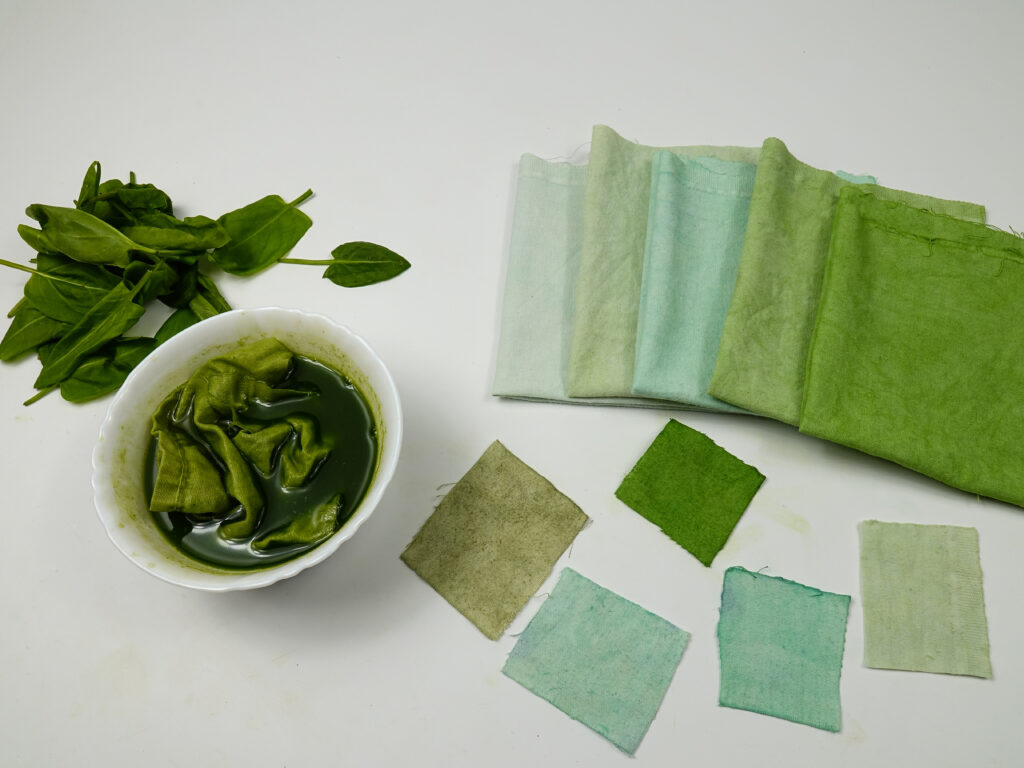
407 119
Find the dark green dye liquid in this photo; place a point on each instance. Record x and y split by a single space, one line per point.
343 415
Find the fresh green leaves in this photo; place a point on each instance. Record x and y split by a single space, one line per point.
356 264
99 264
261 234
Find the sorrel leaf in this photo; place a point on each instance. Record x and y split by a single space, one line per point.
359 263
261 233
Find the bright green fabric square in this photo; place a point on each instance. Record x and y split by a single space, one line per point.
493 539
615 207
599 658
691 488
924 608
781 647
695 231
767 330
917 354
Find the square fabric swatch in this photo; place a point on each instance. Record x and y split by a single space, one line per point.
691 488
615 209
924 609
599 658
493 539
695 230
768 327
781 647
916 355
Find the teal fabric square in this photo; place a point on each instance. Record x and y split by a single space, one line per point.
781 646
599 658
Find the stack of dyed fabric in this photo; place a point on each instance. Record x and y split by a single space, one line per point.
740 279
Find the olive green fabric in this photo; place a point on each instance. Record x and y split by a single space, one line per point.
767 330
695 232
691 488
924 607
781 648
493 539
917 354
615 210
598 657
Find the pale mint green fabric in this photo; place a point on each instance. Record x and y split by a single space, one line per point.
540 282
599 658
768 327
615 209
695 229
781 648
924 607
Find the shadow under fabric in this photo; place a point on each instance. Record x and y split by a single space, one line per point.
695 231
767 331
615 212
917 352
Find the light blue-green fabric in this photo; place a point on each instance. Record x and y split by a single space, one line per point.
695 229
599 658
540 283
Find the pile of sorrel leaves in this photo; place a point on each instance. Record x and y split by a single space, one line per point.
120 249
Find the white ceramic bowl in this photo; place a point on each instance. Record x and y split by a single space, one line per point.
119 457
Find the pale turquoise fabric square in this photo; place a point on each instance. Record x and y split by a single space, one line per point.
598 657
695 229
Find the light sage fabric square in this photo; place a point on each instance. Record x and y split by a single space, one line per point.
493 539
598 657
924 607
781 646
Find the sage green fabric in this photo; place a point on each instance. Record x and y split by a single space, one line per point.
917 353
615 209
781 648
218 392
695 231
493 539
540 284
691 488
767 331
924 607
598 657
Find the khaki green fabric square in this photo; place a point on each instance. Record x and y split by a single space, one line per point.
924 608
493 539
691 488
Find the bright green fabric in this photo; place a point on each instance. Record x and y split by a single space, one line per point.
917 353
781 648
924 608
695 230
767 331
599 658
615 209
540 283
493 539
691 488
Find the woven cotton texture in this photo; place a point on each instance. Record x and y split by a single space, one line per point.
599 658
917 352
695 231
615 211
493 539
767 331
924 607
781 647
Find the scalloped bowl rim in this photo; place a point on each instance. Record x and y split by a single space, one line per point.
119 497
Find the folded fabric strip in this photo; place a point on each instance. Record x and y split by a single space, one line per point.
768 327
615 211
540 282
695 230
917 352
598 657
924 607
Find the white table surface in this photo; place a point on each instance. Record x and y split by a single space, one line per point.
407 119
